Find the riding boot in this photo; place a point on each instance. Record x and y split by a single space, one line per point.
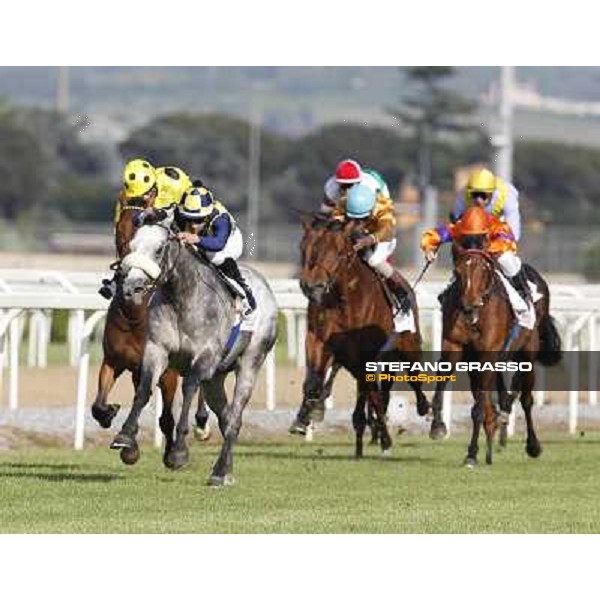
521 284
230 269
399 286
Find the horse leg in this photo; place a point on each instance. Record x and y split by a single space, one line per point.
168 387
477 415
451 353
202 430
533 446
314 387
179 454
101 411
377 400
373 426
505 401
410 345
245 378
359 421
154 363
489 413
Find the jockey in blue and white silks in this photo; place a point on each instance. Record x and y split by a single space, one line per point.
213 230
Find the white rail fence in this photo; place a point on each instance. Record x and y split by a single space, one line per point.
33 295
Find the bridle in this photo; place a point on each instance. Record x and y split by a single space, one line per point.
489 267
328 286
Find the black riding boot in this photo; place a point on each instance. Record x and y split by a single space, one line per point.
398 284
230 269
521 284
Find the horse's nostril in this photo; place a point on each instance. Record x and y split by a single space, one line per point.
138 289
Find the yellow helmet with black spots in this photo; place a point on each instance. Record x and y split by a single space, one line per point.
172 183
197 204
481 180
139 177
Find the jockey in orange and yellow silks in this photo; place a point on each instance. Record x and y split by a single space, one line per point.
500 241
499 199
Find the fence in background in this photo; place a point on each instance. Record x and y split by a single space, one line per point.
34 295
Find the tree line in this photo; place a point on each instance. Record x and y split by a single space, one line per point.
46 170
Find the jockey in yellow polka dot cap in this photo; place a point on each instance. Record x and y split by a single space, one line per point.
500 199
209 226
154 190
162 189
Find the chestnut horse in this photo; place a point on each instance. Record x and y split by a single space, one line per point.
479 325
123 345
350 320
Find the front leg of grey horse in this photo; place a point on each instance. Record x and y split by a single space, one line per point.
222 473
179 455
153 365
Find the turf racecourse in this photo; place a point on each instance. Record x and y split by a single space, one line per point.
288 486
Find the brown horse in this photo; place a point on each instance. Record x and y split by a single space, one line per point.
123 345
350 320
479 326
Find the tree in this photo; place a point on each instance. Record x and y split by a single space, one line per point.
430 110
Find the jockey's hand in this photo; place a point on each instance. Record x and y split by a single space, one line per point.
364 242
430 254
188 238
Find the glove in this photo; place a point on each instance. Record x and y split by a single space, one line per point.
364 242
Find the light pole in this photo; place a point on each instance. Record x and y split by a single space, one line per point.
62 90
502 141
254 167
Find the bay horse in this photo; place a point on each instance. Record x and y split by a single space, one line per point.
350 320
123 347
479 325
190 318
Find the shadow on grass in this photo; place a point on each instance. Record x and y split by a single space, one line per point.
54 466
325 457
62 477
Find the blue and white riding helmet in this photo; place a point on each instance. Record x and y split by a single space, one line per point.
360 201
197 204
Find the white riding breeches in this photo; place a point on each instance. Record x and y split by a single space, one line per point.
379 256
510 263
233 249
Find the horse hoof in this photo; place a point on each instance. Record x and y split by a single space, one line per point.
202 434
123 440
176 459
219 481
104 417
438 431
387 453
130 456
298 428
470 462
503 418
534 449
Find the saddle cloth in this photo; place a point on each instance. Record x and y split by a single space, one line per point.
524 312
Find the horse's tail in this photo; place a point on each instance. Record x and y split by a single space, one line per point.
550 352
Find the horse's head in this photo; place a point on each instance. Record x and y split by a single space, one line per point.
148 259
474 269
326 254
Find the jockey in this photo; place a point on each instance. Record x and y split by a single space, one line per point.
212 229
158 190
501 200
376 214
497 238
347 174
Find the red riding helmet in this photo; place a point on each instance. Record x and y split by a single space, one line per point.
348 171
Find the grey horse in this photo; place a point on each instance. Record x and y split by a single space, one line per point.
190 318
